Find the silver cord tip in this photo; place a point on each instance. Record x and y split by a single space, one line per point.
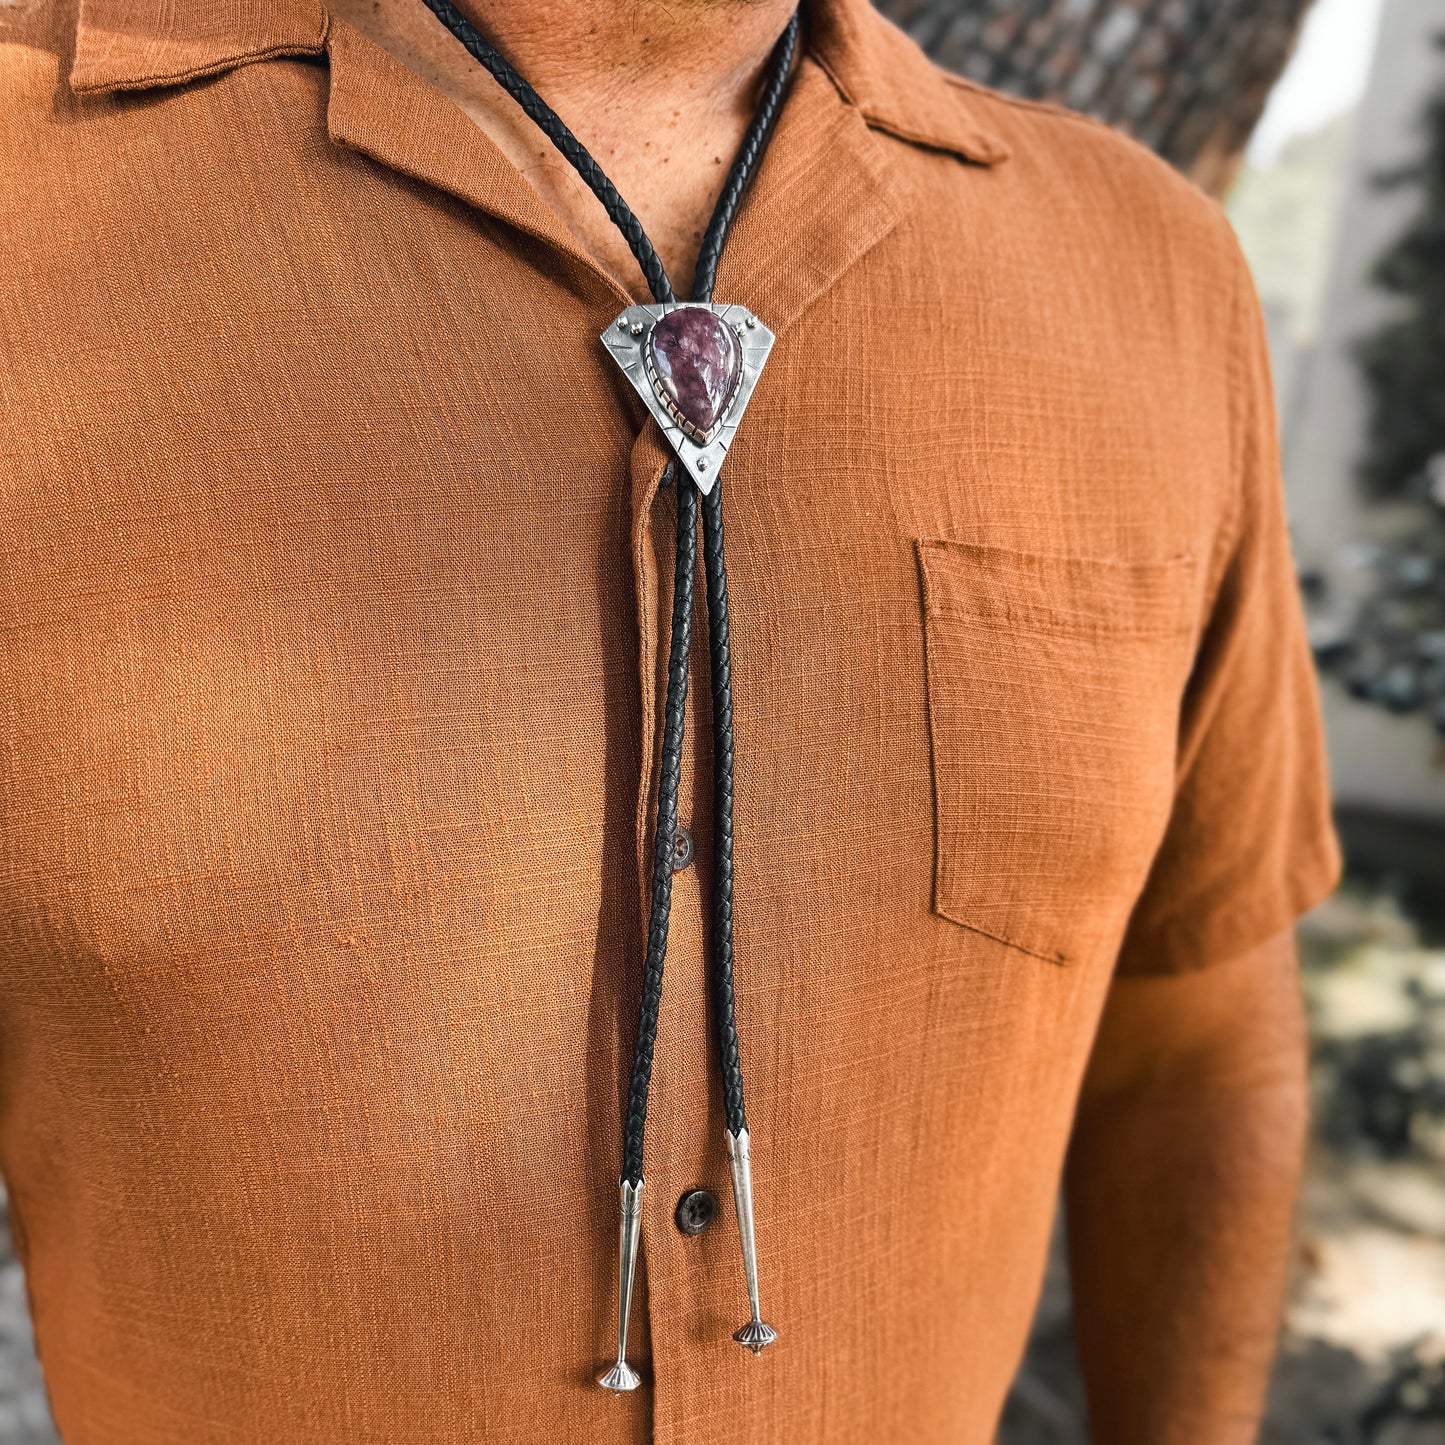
622 1376
755 1335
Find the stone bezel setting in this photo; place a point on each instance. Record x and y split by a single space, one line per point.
659 384
629 342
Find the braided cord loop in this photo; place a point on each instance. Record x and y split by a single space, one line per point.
755 142
745 163
670 775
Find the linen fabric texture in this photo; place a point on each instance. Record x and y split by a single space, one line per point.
333 612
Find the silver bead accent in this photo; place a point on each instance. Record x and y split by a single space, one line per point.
622 1376
755 1335
638 328
751 323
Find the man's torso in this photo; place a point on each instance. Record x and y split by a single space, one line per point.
333 618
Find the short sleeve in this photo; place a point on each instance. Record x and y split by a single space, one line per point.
1250 843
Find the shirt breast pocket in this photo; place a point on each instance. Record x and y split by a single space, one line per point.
1054 685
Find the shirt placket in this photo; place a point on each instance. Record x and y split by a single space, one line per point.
704 1385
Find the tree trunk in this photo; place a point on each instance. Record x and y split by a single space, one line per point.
1188 78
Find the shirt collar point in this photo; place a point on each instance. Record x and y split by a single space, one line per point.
123 46
976 146
896 88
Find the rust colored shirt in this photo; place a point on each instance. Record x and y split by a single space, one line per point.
334 595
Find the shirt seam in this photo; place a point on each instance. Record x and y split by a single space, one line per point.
1241 449
1020 102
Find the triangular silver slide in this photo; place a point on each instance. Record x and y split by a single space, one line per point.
695 373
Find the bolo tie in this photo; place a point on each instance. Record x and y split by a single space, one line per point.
694 364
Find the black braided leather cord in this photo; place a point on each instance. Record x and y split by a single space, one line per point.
722 809
555 129
669 776
754 144
745 163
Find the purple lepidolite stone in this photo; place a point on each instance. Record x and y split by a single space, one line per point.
697 361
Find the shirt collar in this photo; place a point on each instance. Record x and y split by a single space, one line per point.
137 44
894 85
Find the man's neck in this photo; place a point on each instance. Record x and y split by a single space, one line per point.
661 96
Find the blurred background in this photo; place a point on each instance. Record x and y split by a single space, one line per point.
1321 126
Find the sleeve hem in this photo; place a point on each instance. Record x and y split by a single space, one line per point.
1230 930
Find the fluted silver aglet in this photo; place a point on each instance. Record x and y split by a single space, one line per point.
755 1334
622 1376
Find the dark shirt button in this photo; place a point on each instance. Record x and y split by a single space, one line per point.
682 849
696 1211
